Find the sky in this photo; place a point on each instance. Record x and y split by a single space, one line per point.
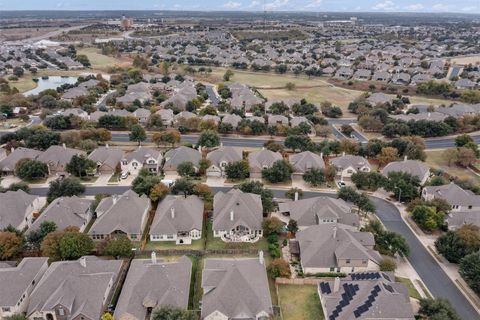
462 6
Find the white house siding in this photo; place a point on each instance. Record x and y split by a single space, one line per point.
216 315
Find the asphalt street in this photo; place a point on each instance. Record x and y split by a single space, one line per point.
428 269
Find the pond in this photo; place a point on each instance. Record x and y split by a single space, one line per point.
52 82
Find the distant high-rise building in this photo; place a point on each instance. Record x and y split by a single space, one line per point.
127 23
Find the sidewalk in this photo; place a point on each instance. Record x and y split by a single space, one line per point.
451 270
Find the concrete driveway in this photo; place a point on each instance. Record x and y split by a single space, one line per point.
102 179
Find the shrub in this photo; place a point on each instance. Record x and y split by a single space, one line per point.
387 265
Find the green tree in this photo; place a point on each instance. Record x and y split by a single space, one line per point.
35 237
290 194
83 59
454 245
171 137
404 186
314 176
272 225
29 169
172 313
387 265
158 192
278 268
74 245
298 142
237 170
292 226
437 309
470 270
361 200
387 242
80 165
119 246
186 169
209 139
137 134
67 187
280 171
368 180
428 218
228 75
11 245
144 182
184 186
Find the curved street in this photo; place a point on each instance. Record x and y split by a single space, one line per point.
427 268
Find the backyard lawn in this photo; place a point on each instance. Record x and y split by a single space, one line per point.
436 160
299 302
167 245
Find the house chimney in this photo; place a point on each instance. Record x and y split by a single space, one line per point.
343 154
172 212
321 155
260 257
114 199
334 231
12 149
231 215
154 257
106 145
83 262
336 285
64 146
405 158
296 195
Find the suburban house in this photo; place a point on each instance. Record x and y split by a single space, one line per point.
235 289
319 210
124 214
66 212
167 116
18 209
179 155
275 119
458 198
20 281
304 161
153 283
135 161
347 165
220 158
142 115
232 119
8 163
365 295
414 168
57 158
457 219
259 160
107 159
334 247
73 290
237 216
378 98
178 219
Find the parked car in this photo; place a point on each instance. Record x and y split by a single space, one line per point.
124 175
341 184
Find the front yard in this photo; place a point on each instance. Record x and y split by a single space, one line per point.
299 302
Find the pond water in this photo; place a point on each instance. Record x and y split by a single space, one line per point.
52 82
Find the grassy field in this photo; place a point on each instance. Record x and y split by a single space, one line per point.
412 292
436 160
100 61
23 84
299 302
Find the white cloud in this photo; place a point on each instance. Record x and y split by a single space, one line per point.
253 4
232 5
276 4
441 7
415 7
386 5
314 4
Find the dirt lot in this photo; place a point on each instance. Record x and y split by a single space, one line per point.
102 62
466 60
15 34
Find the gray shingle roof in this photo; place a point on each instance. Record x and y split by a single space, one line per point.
456 219
308 212
303 161
238 288
9 163
153 285
14 205
59 155
247 210
413 167
224 154
344 162
124 213
257 160
18 279
80 289
106 156
187 215
65 212
453 194
322 247
179 155
142 154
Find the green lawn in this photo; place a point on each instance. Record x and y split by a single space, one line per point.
115 178
300 302
412 292
166 245
97 59
436 160
218 244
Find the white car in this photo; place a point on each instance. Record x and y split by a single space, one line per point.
341 184
124 175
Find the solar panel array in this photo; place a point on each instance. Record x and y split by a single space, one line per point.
325 287
349 292
365 276
370 299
